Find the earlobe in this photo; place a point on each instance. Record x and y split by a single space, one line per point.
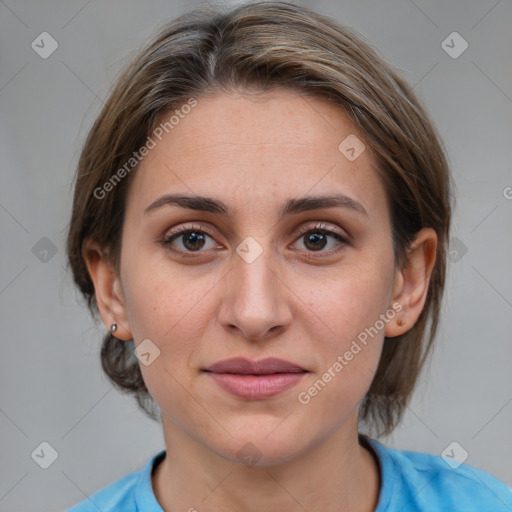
108 292
411 284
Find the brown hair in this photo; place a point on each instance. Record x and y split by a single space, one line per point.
260 46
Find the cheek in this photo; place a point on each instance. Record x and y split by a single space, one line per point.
172 308
354 308
167 309
349 354
172 311
350 300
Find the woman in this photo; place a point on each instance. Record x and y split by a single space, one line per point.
261 217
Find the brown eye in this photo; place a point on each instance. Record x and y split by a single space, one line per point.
317 238
191 240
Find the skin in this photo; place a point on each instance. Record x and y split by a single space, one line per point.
293 302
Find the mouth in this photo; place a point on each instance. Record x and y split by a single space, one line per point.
255 380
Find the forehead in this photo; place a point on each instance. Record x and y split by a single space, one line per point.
252 150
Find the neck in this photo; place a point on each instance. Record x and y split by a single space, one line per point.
337 474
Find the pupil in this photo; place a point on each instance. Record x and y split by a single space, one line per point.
316 240
194 237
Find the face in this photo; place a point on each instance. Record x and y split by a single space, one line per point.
208 283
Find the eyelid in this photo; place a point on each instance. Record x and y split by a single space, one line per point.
190 226
176 231
301 231
323 226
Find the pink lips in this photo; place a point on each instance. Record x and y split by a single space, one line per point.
255 380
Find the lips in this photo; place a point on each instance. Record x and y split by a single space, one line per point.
255 380
265 366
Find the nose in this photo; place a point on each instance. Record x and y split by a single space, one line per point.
255 298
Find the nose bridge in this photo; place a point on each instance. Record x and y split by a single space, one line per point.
255 303
254 270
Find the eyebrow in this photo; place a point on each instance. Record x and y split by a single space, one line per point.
291 206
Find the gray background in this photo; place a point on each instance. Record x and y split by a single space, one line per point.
51 385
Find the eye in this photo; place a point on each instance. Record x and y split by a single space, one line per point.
193 239
317 237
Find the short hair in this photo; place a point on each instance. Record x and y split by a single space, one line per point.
259 46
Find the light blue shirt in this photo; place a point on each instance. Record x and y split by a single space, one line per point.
410 482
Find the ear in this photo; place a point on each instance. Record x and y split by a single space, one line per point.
108 291
410 287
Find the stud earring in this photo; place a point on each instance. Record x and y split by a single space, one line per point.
113 328
400 322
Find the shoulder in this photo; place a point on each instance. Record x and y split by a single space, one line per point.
420 482
124 494
119 495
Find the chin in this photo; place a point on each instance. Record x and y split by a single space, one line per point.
259 449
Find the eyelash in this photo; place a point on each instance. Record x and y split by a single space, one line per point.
167 240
